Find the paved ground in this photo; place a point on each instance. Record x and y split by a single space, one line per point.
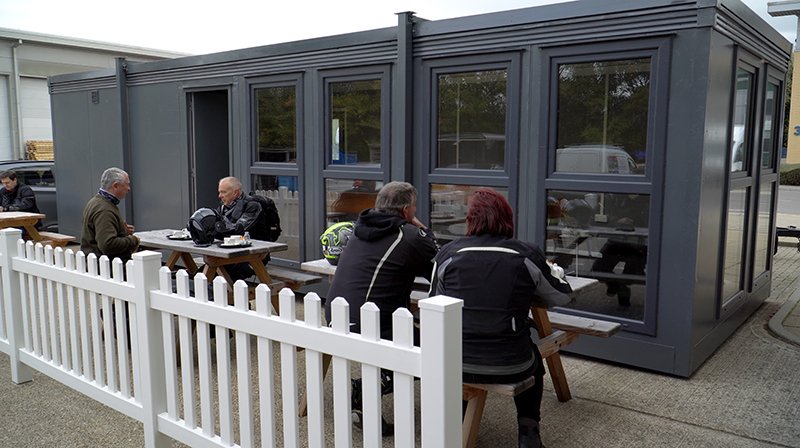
745 395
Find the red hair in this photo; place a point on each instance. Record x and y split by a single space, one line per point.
489 212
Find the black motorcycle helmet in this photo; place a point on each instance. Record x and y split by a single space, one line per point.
201 226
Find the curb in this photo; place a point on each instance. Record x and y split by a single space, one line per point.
776 322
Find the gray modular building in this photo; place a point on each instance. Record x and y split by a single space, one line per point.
636 142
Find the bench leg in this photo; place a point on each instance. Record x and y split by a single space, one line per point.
472 419
303 406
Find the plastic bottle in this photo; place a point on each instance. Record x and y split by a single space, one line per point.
246 237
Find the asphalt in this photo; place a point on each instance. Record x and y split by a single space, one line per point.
745 396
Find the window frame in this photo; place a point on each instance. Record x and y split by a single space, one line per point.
344 171
658 49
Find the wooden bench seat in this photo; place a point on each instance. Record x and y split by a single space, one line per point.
556 330
294 280
56 239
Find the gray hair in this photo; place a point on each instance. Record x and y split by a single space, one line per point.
234 182
394 196
110 176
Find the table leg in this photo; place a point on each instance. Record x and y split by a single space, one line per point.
33 233
554 365
173 260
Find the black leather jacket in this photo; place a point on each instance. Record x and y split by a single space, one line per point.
498 279
379 265
241 216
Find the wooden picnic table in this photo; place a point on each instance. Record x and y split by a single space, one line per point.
214 257
25 220
555 329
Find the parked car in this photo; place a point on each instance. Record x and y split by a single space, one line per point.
40 175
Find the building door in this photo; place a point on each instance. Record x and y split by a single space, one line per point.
209 145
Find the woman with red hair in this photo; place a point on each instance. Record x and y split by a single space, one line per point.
499 277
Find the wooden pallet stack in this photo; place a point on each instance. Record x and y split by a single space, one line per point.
39 149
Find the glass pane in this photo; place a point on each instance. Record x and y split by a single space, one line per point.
602 116
603 236
283 190
763 230
472 120
770 126
345 198
734 243
742 117
449 209
355 122
277 124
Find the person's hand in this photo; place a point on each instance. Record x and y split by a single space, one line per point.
130 228
418 223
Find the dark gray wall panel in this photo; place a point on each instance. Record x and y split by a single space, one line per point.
159 174
87 136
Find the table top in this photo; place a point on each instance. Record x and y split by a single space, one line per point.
158 239
321 266
17 217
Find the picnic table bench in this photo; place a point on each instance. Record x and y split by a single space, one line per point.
555 330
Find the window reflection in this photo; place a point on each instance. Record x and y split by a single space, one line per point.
763 230
449 209
770 109
602 117
283 190
742 117
472 120
277 124
603 236
355 122
734 242
346 198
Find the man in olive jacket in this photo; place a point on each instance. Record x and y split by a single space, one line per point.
104 231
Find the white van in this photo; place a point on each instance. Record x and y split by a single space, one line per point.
595 159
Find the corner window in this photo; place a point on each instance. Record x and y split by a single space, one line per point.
742 121
602 118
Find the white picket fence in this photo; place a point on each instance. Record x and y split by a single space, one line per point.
73 318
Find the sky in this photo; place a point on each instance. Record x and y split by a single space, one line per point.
203 26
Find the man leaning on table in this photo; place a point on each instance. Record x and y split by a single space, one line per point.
390 247
105 232
16 196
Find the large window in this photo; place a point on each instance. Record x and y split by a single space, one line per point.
471 125
606 111
603 109
472 133
277 153
356 140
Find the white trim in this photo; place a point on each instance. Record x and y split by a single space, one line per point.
488 249
380 264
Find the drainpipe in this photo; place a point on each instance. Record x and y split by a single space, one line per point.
16 111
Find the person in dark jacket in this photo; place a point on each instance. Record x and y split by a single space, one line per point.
105 232
16 196
389 248
239 214
499 278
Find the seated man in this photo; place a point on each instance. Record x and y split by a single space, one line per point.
16 196
105 232
389 248
499 277
239 214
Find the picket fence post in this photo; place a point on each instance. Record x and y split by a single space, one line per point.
20 373
440 341
151 350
